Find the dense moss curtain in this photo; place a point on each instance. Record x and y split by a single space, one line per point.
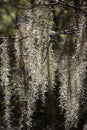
30 60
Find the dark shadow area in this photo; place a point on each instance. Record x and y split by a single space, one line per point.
48 116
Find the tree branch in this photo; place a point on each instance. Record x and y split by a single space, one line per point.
39 5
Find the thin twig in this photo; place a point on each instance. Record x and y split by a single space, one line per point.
39 5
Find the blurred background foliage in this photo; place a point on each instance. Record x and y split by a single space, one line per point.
11 9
